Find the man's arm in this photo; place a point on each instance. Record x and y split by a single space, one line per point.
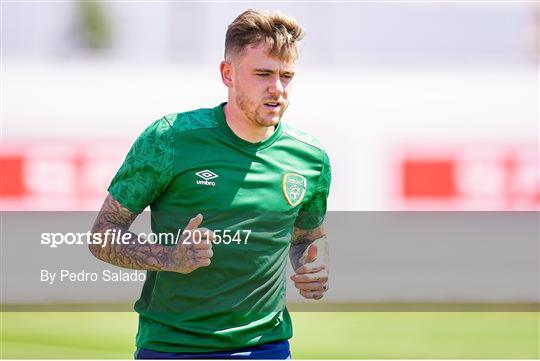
183 257
310 256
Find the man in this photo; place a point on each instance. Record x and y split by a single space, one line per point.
258 186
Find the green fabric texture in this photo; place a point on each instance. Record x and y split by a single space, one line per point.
147 168
190 163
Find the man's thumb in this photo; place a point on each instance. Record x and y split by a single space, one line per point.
311 253
194 223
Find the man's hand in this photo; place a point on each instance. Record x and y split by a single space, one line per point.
194 250
311 277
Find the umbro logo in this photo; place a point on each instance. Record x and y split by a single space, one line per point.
206 175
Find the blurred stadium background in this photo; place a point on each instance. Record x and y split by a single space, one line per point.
429 105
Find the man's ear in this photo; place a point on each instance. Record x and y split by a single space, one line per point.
226 70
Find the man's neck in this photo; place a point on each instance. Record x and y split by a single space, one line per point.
243 127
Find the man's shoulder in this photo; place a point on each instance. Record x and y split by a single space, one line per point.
203 118
303 137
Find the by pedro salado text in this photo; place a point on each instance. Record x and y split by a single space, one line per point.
68 276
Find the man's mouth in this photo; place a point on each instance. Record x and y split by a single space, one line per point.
273 105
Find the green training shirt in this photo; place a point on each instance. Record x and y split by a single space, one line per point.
251 194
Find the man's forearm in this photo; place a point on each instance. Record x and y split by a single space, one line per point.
297 253
150 257
114 217
302 239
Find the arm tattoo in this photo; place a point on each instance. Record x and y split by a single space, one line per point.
302 239
113 216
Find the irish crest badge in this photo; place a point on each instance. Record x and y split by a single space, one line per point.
294 188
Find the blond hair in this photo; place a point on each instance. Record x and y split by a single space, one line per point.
278 32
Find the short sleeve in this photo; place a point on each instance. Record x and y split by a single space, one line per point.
147 169
313 212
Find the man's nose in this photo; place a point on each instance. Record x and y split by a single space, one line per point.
276 87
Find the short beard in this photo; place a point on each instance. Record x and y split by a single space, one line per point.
244 105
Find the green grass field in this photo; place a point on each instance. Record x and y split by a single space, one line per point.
341 335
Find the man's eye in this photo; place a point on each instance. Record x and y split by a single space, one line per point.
262 74
287 76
